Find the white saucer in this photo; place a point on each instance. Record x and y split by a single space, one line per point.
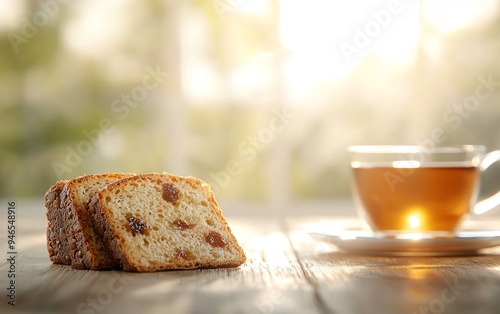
467 242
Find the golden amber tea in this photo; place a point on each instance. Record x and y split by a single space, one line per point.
419 199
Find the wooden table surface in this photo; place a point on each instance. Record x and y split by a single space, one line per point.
286 272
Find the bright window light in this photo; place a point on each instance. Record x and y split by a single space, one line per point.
453 15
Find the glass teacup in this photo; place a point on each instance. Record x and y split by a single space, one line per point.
413 189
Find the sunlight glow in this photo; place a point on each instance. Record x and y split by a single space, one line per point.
332 37
95 33
329 39
414 221
11 12
452 15
252 7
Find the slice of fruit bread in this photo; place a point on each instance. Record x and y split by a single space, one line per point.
86 248
154 222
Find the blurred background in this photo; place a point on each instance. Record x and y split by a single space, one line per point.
259 98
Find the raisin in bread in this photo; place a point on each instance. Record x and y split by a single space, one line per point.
57 244
156 222
86 249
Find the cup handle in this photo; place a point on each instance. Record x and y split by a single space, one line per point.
494 200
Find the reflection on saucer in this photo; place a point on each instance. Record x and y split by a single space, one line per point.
411 236
467 242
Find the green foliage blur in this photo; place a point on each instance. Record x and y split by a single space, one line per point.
60 82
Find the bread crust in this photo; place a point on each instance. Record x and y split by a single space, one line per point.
104 230
74 230
57 244
80 230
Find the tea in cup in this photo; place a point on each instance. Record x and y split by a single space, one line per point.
413 189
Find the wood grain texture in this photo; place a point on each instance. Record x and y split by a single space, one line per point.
270 282
286 272
346 283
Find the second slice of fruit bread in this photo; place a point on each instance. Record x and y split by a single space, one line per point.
154 222
86 249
